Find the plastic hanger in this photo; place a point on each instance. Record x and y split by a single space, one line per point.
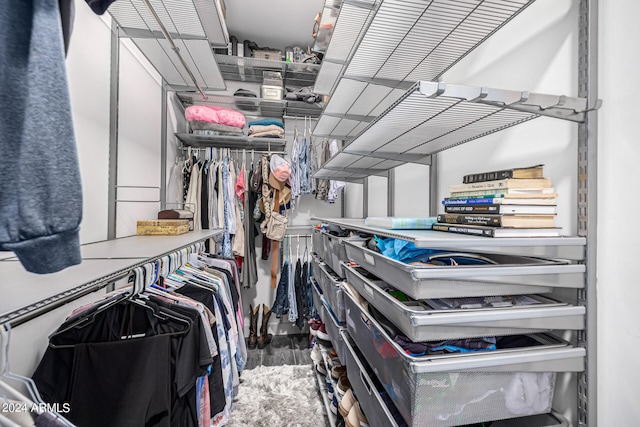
30 386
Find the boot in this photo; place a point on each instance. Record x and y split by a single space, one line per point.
264 338
253 326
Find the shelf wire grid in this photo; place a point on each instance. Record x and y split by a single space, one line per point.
408 41
183 23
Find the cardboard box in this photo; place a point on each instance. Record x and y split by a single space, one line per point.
162 227
271 55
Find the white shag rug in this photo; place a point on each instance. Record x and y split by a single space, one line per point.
278 396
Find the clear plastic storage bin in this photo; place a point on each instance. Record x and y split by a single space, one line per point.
381 411
423 321
316 296
330 284
333 330
317 242
368 390
335 251
513 275
463 388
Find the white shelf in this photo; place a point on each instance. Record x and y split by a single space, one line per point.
193 25
102 261
380 46
254 106
571 248
228 141
434 116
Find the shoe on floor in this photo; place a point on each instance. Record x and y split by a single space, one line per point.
337 372
334 405
356 418
332 358
329 389
346 403
343 385
321 369
321 333
314 324
316 355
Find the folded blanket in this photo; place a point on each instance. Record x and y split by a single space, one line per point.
218 115
268 134
262 128
267 122
198 125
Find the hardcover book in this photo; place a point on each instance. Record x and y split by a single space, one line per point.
519 173
473 200
496 208
498 232
510 183
508 192
499 220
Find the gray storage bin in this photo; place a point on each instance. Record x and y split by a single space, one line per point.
316 296
330 285
463 388
420 322
378 413
335 251
317 242
515 275
333 329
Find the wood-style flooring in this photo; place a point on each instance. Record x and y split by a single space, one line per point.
283 350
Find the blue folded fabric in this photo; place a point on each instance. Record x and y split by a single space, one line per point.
266 122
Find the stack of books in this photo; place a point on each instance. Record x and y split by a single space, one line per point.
517 202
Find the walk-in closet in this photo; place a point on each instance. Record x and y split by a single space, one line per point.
318 213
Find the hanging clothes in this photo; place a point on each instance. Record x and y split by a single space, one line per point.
294 177
250 267
322 191
204 195
313 166
238 238
227 210
174 186
291 288
304 167
334 186
40 182
192 201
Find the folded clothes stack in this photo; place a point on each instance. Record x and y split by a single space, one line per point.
266 128
211 120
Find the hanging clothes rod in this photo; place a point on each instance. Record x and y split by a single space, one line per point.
37 309
175 48
299 236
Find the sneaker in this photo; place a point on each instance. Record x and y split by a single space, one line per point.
337 372
321 369
316 355
314 325
329 389
332 358
346 403
334 406
356 418
343 385
321 333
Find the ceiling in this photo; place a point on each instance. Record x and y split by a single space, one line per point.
275 23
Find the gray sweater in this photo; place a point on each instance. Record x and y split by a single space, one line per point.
40 188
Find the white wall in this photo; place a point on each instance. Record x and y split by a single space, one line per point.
88 65
618 241
139 144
